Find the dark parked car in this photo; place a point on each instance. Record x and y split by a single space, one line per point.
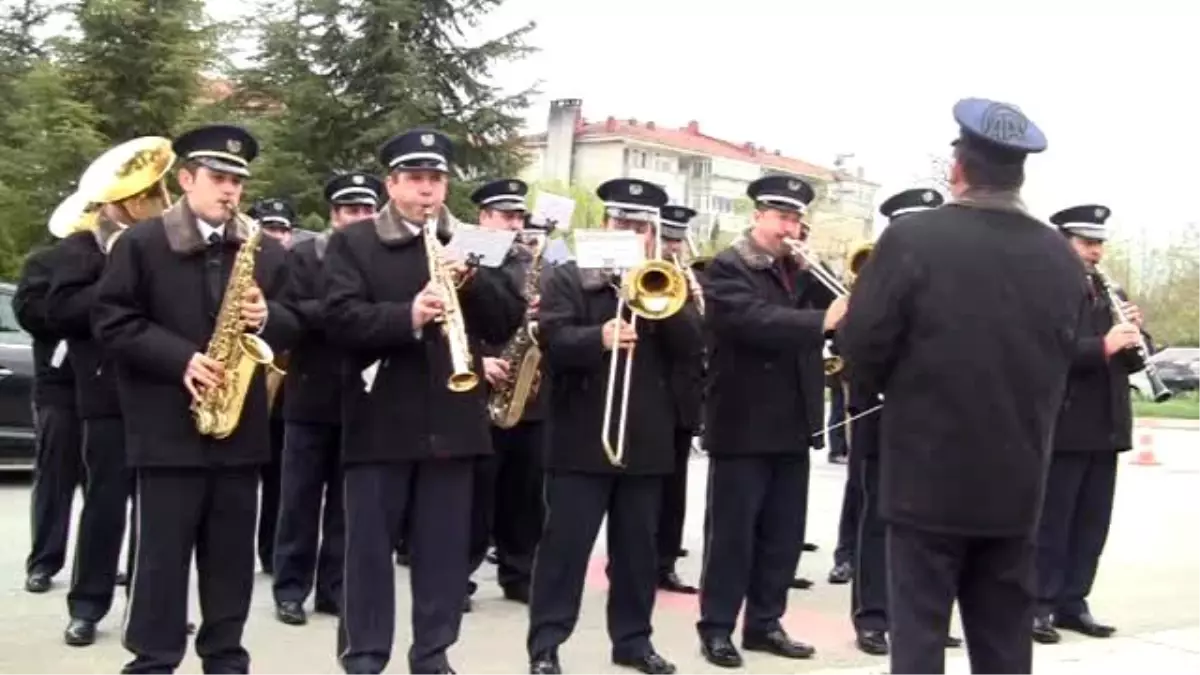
16 381
1179 368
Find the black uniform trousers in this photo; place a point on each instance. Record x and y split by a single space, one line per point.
517 526
853 501
483 509
992 577
102 521
754 534
868 589
377 496
211 512
1076 515
674 505
576 503
268 515
310 540
58 470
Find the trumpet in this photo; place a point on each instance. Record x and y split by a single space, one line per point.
654 290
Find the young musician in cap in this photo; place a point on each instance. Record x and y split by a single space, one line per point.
277 218
687 385
578 328
126 184
58 462
409 442
508 498
767 321
195 494
964 319
1095 423
868 591
310 540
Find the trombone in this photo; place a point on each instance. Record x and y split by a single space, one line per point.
653 290
832 363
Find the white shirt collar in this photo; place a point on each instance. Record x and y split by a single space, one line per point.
207 229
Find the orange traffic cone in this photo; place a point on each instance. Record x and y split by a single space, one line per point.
1145 451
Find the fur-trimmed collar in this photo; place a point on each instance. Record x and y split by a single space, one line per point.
756 257
183 232
992 200
393 230
105 231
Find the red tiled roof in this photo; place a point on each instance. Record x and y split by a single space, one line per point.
689 139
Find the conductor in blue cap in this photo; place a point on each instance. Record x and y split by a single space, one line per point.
310 543
410 442
578 330
197 494
1094 426
767 317
964 319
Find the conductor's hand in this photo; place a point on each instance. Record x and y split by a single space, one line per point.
495 370
427 306
254 308
619 333
1133 313
202 373
1121 336
835 313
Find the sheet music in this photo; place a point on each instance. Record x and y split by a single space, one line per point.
557 252
487 248
555 209
603 249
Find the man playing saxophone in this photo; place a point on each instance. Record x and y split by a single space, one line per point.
310 540
578 330
410 322
162 298
508 497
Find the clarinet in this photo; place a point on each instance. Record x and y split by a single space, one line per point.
1140 355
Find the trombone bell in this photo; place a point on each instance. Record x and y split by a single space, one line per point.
655 290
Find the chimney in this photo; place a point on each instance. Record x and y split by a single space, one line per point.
610 124
632 122
650 125
693 127
777 154
748 147
566 116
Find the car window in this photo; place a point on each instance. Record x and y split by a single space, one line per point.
8 319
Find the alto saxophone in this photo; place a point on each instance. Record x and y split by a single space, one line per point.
506 404
218 409
454 325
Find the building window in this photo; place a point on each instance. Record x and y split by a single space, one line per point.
720 204
701 168
663 164
638 159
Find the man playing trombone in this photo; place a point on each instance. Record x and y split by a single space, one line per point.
589 345
764 407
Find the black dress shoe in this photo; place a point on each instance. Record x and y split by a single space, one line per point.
1085 624
720 651
517 593
492 558
37 582
545 663
80 633
671 583
778 643
191 628
801 583
291 613
873 642
329 607
682 553
650 663
840 574
810 547
953 642
1043 631
403 559
122 579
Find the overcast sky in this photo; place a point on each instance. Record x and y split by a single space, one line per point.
1116 95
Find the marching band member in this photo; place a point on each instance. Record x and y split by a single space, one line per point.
310 539
767 334
964 319
58 462
687 383
408 441
578 329
508 502
868 590
1094 424
196 494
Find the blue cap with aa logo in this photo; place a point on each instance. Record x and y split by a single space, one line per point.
1002 126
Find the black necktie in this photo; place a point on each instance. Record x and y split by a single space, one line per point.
213 264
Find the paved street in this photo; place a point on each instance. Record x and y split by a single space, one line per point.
1148 586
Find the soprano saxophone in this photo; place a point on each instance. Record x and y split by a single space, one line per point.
454 325
218 409
506 404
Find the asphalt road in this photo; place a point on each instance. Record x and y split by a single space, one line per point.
1148 587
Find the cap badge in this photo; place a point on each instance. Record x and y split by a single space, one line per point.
513 187
1004 123
427 140
357 180
635 189
278 206
927 197
793 185
233 145
1101 212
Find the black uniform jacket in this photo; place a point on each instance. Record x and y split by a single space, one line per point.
517 266
52 386
575 305
765 378
153 312
966 317
1096 413
375 268
312 389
